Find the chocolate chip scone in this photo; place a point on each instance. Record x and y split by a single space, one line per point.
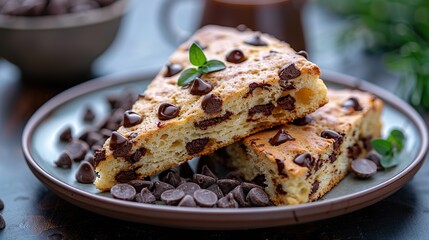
265 83
301 161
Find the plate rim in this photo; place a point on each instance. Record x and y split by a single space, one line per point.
81 197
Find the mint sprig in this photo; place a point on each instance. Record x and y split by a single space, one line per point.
389 148
198 59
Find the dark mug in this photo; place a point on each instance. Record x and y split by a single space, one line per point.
280 18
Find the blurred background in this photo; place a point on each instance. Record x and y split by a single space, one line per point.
381 41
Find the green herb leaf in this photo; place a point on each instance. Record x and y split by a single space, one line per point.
389 148
384 147
396 137
212 66
188 76
388 162
196 55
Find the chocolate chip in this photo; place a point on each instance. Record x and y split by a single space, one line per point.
303 160
216 189
77 149
2 223
173 179
315 187
236 56
286 102
303 53
227 202
85 173
204 124
94 138
211 104
160 187
363 168
303 121
287 73
185 170
119 145
131 119
187 201
239 196
89 115
257 197
64 160
279 189
203 181
205 198
57 7
145 196
265 109
123 191
200 87
247 186
352 103
100 155
84 135
241 28
281 137
354 151
235 175
196 145
106 133
1 204
139 184
168 111
330 134
280 166
172 196
205 170
375 157
173 69
226 185
125 176
137 155
189 188
260 180
66 135
254 85
256 41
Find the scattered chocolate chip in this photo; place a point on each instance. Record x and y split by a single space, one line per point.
281 137
352 103
168 111
265 109
185 170
211 104
64 160
145 196
160 187
375 157
239 196
66 134
216 189
254 85
173 69
236 56
202 180
315 187
119 145
205 170
227 202
246 186
303 53
226 185
200 87
139 184
94 138
196 145
189 188
2 223
106 133
303 121
287 102
330 134
303 160
241 28
123 191
85 173
89 115
173 179
256 41
363 168
131 119
257 197
100 155
84 135
187 201
125 176
205 198
172 196
77 149
1 204
204 124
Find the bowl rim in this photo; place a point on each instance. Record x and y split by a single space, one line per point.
69 20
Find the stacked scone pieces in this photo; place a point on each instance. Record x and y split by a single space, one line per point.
247 107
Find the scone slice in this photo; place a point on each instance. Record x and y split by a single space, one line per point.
268 84
301 162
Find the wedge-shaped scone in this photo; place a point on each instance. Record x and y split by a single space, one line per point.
265 83
300 162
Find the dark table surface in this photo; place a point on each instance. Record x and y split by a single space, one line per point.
34 212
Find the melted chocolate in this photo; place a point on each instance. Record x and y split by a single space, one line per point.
281 137
168 111
211 104
236 56
200 87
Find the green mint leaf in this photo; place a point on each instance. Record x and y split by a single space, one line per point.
212 66
388 162
383 147
188 76
196 55
396 137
